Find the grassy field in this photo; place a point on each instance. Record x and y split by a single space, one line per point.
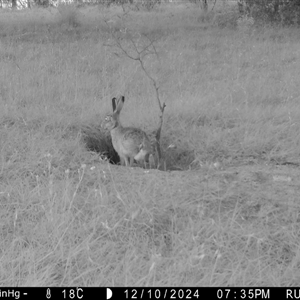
226 211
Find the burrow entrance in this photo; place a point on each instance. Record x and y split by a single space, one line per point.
98 140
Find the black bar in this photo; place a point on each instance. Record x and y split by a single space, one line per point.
217 293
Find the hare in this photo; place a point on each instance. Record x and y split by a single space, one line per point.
129 142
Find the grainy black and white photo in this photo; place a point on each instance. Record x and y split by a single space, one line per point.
149 143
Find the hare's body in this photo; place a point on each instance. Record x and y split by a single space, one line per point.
130 143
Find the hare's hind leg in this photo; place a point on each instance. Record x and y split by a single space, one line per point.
122 161
131 160
146 162
126 161
149 161
152 161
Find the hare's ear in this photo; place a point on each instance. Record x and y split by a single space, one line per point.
120 104
114 103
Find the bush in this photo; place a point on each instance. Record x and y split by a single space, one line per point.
146 4
286 12
69 14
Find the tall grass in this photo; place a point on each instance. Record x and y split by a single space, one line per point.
227 216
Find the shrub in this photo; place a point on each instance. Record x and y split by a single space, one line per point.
286 12
69 14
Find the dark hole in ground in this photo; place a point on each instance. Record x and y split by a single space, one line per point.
97 140
174 158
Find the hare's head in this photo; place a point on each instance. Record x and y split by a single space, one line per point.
111 121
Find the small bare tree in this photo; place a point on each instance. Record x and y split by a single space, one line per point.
139 54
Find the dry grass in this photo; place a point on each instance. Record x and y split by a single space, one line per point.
229 217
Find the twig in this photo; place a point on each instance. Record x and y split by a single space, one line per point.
214 5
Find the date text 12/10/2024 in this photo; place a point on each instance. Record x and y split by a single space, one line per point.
212 293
